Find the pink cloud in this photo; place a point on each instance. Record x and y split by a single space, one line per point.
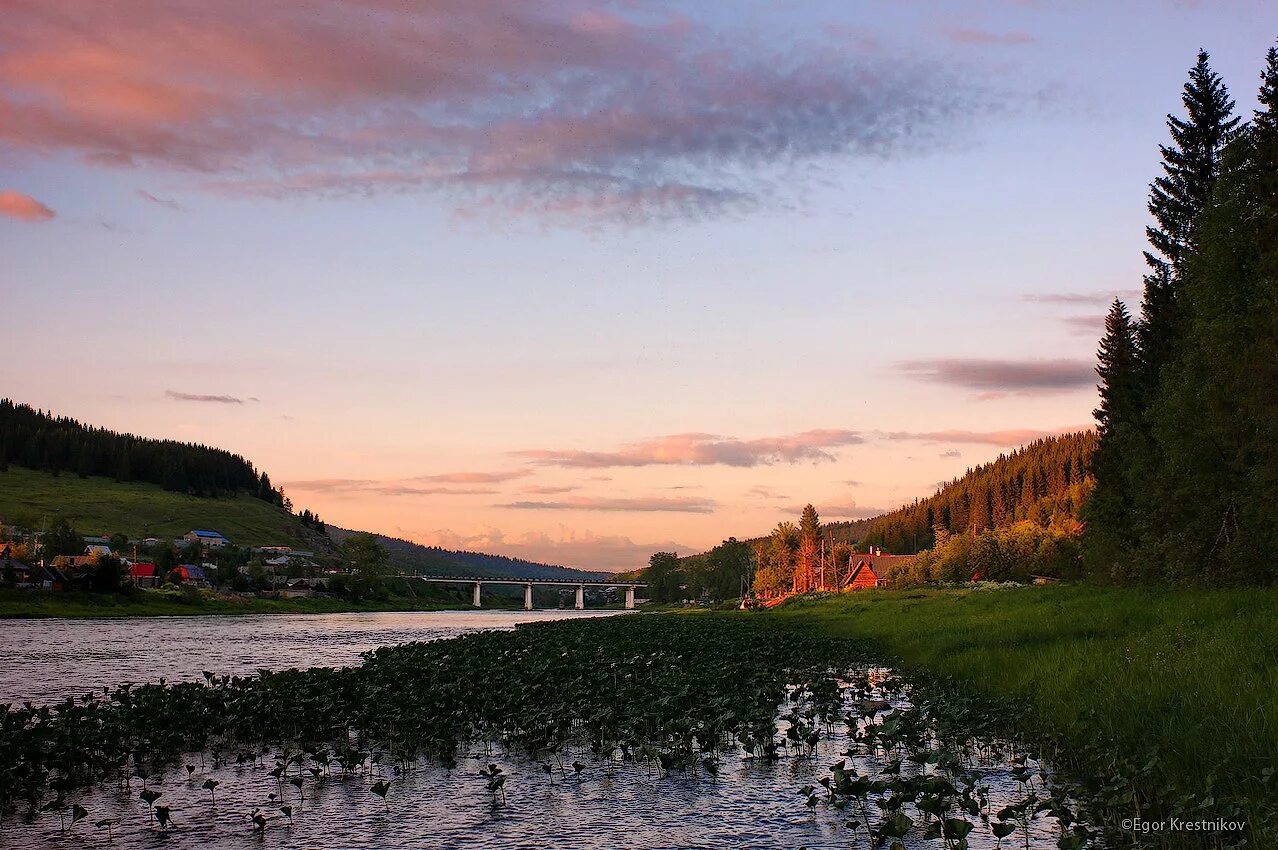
1010 437
653 504
976 35
549 491
475 477
554 108
346 487
987 375
23 207
697 449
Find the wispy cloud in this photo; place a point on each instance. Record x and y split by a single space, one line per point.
374 487
843 510
1010 437
211 399
978 35
536 108
1092 299
167 203
698 449
612 505
952 453
1004 376
549 490
475 477
22 207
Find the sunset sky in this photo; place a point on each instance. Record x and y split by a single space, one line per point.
581 281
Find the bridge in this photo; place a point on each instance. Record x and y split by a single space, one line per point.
580 584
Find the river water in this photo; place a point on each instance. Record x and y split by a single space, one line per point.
751 803
46 661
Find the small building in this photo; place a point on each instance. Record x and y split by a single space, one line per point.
871 570
98 550
144 575
190 574
205 538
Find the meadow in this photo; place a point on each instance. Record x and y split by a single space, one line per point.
1170 696
98 505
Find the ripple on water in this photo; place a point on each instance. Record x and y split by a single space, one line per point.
751 804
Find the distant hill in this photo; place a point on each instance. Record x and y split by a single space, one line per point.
36 439
1045 481
415 558
97 505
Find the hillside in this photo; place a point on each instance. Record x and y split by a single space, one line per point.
415 558
97 505
1044 482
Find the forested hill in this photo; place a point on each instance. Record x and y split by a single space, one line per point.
1045 482
432 560
38 440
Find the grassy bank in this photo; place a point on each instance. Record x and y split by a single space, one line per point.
1173 693
32 604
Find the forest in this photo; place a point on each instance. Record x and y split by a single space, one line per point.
37 440
1186 466
1044 483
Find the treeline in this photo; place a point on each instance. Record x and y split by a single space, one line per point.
1044 483
38 440
1187 466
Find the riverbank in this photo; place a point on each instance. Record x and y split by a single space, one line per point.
24 604
1173 694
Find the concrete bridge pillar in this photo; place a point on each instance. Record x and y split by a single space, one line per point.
580 602
630 598
474 595
528 597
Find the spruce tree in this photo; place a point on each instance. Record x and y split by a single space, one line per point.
1190 166
1109 508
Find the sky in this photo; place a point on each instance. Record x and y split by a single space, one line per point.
576 281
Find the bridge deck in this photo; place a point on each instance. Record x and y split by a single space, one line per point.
556 582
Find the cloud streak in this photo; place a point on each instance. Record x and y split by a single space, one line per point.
980 36
1007 438
619 505
373 487
207 399
699 449
475 477
1003 376
23 207
556 109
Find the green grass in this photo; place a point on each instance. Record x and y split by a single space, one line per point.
1187 678
103 506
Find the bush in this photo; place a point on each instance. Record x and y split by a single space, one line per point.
1014 553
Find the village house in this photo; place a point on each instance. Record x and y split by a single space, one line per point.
870 570
205 538
145 575
29 575
190 574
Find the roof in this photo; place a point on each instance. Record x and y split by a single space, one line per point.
191 572
202 533
142 571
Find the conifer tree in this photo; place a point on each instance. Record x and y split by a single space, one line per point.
1190 166
809 549
1109 507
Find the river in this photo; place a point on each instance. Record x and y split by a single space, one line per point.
46 661
751 803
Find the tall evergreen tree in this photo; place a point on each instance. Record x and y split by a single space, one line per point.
1190 165
1109 508
809 550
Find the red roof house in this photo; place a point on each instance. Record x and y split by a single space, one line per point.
871 570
